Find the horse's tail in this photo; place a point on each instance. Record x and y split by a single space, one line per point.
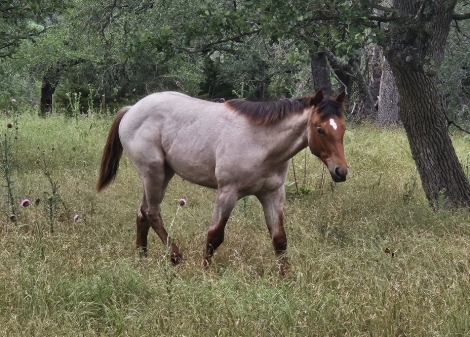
112 153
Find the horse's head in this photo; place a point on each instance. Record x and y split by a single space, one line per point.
326 129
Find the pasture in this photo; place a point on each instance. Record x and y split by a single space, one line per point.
368 256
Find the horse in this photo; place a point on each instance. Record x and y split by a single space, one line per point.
237 147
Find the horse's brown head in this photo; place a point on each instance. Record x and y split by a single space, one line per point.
326 129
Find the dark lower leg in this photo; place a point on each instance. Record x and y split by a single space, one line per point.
142 233
280 247
157 225
215 237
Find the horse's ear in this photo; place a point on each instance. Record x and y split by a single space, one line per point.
341 97
317 99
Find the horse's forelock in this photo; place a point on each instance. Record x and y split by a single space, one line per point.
330 107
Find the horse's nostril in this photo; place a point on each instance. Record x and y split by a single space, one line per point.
337 172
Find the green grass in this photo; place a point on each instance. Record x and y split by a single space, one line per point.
86 279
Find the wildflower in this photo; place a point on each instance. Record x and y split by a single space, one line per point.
300 86
75 217
182 202
13 100
25 203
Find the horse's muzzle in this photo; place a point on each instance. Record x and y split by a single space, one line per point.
339 174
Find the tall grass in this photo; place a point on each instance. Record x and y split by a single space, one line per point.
368 256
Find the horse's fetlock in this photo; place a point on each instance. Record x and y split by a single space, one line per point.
280 243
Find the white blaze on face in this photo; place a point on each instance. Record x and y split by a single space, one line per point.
333 124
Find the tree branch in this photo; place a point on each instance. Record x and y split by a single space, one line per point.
460 31
210 44
373 17
461 16
449 121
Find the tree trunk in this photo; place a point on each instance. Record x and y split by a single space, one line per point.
426 127
388 111
321 72
415 49
350 72
376 61
47 90
342 71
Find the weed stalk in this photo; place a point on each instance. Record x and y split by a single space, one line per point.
53 199
7 171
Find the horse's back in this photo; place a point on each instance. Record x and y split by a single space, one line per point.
182 131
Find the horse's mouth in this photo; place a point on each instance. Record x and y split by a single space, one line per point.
338 179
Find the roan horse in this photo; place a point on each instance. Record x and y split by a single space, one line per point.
238 147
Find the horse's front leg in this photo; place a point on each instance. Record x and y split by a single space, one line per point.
273 206
224 203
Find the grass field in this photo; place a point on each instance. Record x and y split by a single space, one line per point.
368 256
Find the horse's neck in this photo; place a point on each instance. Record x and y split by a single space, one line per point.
290 137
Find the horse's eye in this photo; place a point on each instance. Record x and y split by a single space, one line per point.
320 131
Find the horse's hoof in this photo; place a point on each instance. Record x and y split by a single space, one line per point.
206 264
142 252
176 259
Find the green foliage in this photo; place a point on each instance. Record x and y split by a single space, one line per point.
454 79
24 20
128 48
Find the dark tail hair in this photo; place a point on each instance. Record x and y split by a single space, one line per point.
112 153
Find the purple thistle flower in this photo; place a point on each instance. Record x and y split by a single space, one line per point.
75 217
25 203
182 202
13 100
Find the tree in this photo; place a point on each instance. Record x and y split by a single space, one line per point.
388 112
415 49
413 35
24 20
454 76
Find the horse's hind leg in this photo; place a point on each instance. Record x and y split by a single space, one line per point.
154 183
143 227
273 205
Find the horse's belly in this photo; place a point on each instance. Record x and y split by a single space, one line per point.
198 170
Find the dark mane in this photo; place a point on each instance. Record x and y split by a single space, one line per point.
264 113
330 107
